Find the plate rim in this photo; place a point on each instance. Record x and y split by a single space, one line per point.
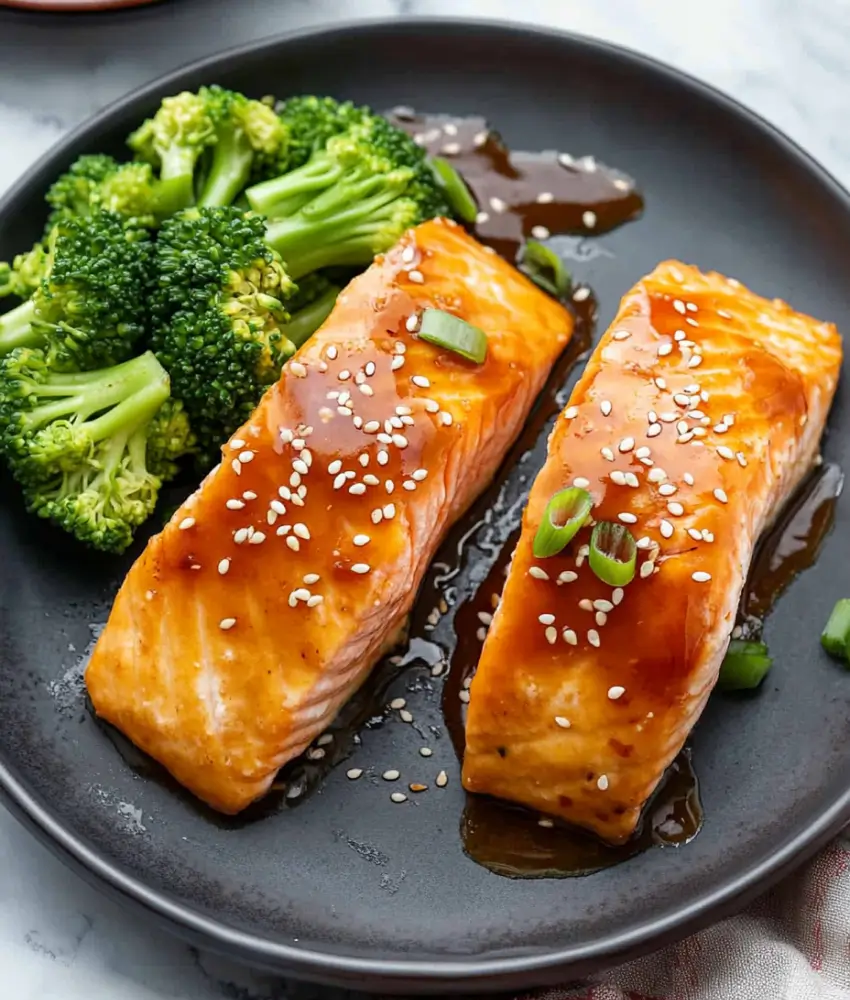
423 975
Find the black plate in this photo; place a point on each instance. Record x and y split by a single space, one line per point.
349 888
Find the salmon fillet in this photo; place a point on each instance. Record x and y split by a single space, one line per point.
698 414
264 603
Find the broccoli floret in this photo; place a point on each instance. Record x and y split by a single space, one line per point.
23 276
351 200
71 195
208 140
78 443
219 317
90 309
310 121
101 182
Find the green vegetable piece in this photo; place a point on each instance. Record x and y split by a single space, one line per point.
613 554
545 268
453 333
454 187
835 637
565 513
744 667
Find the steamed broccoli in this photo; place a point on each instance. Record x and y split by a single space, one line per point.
89 449
351 200
219 317
310 121
23 276
90 309
207 140
101 182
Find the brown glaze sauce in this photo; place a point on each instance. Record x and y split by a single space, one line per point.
445 634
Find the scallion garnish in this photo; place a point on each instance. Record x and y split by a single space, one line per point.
545 268
455 334
455 189
613 554
744 667
565 513
835 638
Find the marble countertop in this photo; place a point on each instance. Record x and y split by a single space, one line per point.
58 937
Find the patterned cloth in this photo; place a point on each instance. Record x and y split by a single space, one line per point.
792 944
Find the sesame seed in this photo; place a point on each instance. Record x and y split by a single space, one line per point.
300 467
593 637
602 605
389 485
653 430
297 369
580 294
695 361
586 604
482 217
249 495
644 543
720 495
416 277
643 452
570 637
382 457
571 413
405 716
626 444
701 577
340 481
667 490
354 773
292 542
679 306
286 435
707 536
226 623
568 576
497 205
602 782
607 453
581 482
682 426
186 523
399 440
725 452
540 232
666 528
295 479
301 594
446 418
616 692
237 443
551 634
589 219
389 511
546 619
235 504
664 349
681 399
485 617
240 535
301 530
397 362
361 568
236 465
627 518
741 459
675 508
441 780
695 534
391 775
562 722
398 797
606 407
538 573
357 489
257 538
647 569
367 390
545 198
618 477
546 823
621 334
601 618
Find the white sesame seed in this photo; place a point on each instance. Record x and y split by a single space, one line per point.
580 294
621 334
567 576
340 481
627 518
601 618
286 435
707 536
581 482
551 634
364 459
562 722
675 508
607 453
235 504
701 577
295 479
720 495
643 452
249 495
681 399
408 484
605 407
616 692
647 569
441 780
361 540
409 251
540 232
602 605
412 322
653 430
626 444
237 443
357 489
391 775
618 477
361 568
186 523
382 457
301 594
570 637
257 538
416 277
300 467
666 528
367 390
695 534
571 413
397 362
292 542
354 773
399 440
297 369
679 306
486 618
586 604
446 418
425 751
644 543
546 619
664 349
240 535
236 465
302 531
726 453
377 515
538 573
545 198
389 511
397 704
695 361
602 782
497 205
226 623
667 489
593 637
589 219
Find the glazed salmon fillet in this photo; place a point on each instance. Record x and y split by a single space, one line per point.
264 603
698 414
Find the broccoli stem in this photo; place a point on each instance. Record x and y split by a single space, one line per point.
306 321
16 329
230 168
177 176
284 195
125 395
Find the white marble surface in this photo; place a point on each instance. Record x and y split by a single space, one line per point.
59 939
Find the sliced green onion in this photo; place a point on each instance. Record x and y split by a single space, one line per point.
565 513
613 554
455 189
835 638
545 268
744 667
453 333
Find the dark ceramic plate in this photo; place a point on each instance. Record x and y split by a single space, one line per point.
349 888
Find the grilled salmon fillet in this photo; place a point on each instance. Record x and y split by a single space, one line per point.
698 414
264 603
